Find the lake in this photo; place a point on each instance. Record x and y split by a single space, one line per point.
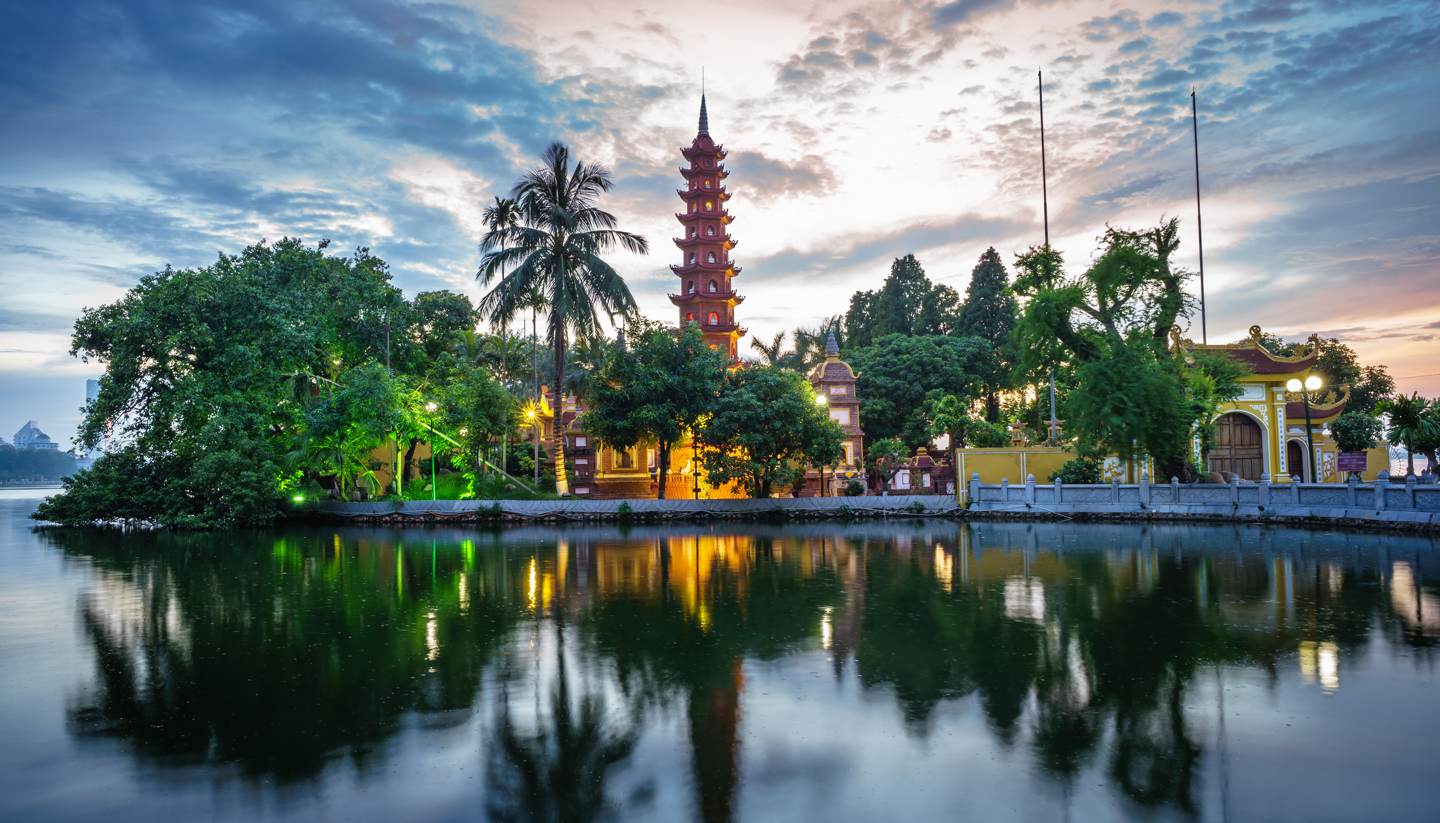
914 670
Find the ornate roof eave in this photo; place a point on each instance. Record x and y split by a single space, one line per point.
1295 409
709 268
1266 365
700 194
698 296
690 217
697 149
718 172
724 240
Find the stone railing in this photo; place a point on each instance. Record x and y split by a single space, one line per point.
602 510
1402 504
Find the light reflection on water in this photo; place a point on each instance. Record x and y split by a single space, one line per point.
912 671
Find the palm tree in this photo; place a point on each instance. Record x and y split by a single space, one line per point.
1414 421
550 246
773 352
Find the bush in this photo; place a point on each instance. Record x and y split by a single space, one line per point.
1356 431
853 488
1079 470
982 434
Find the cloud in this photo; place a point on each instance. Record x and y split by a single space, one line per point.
963 11
860 250
767 178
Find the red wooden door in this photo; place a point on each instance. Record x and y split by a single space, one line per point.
1238 444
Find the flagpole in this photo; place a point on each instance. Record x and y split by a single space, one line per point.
1045 207
1199 234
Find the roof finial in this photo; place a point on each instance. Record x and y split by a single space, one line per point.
832 348
704 117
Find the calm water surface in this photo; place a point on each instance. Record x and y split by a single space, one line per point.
897 672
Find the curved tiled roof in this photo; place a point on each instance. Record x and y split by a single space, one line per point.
1261 360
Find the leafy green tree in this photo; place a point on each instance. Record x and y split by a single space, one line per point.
765 429
901 299
440 320
1111 326
657 389
884 458
474 408
349 422
1413 422
1356 431
898 372
859 319
552 248
948 415
201 367
990 312
982 434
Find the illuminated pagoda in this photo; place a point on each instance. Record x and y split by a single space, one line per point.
707 295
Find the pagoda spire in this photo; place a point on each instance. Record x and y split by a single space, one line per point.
704 117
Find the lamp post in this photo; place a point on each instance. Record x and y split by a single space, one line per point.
1295 386
822 402
530 416
431 407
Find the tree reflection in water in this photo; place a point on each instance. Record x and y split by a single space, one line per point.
1082 647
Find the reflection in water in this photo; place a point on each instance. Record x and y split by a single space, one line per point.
1099 651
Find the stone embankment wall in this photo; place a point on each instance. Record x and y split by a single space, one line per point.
800 508
1408 505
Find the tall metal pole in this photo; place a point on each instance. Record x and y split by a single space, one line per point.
1309 439
1044 184
1045 207
1199 234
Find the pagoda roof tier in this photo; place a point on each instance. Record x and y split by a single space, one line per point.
690 217
724 328
723 240
696 194
718 172
731 295
706 268
701 149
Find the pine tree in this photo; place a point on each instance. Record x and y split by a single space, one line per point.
989 312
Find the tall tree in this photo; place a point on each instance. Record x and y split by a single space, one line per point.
659 388
900 303
989 312
860 319
1113 324
765 430
553 248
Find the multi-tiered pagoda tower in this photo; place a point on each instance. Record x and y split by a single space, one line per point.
707 295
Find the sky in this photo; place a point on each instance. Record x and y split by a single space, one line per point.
143 134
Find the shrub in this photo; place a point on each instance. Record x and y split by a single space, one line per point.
853 488
1079 470
1356 431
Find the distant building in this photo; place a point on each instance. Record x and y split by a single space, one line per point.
30 437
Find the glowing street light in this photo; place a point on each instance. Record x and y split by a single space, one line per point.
432 407
1295 386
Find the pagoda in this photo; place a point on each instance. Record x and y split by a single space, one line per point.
707 295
